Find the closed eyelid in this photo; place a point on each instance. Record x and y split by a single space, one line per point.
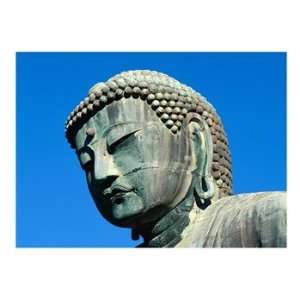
114 141
116 135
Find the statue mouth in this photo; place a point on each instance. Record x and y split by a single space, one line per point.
116 194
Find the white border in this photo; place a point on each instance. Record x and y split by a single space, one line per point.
140 26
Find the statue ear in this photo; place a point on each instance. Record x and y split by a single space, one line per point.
202 149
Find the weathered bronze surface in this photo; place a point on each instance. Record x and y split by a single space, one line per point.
156 159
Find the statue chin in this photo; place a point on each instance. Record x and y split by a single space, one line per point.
127 209
131 211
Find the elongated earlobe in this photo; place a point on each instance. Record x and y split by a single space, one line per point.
202 147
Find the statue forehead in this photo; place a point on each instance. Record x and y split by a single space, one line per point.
122 112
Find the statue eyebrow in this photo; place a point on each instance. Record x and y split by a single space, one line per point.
112 134
123 125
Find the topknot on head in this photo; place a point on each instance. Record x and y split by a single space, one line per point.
164 94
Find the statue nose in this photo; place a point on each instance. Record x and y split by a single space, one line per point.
105 168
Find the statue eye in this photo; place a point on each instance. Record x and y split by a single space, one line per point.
114 141
85 160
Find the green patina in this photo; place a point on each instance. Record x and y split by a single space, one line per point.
156 159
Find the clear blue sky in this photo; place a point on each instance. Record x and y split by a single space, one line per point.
54 208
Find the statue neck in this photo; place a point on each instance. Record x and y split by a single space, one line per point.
166 232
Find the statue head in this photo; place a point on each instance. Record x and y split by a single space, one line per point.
146 141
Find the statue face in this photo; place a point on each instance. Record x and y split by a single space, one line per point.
136 168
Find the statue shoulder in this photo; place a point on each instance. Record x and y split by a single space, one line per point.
243 220
264 203
276 197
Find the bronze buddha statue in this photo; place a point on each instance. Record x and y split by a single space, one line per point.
156 158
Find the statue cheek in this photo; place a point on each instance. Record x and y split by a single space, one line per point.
149 145
154 185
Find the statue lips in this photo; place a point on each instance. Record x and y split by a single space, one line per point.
116 193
